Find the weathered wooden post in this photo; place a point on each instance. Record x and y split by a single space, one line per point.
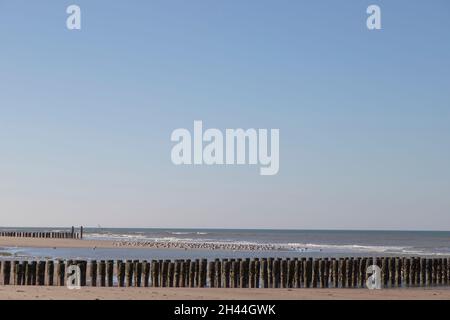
385 272
407 272
226 274
308 266
218 274
170 273
283 272
24 273
343 272
297 283
155 273
423 273
257 273
263 274
120 273
176 275
102 273
276 273
414 273
252 274
398 272
212 274
6 272
429 272
439 271
270 275
335 272
192 274
137 266
93 273
322 266
110 273
445 271
41 273
146 273
242 274
15 272
50 273
129 273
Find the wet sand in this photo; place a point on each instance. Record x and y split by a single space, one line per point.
51 243
89 293
164 245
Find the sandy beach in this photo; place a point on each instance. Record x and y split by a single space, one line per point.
164 245
88 293
133 293
52 243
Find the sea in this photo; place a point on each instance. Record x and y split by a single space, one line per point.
289 243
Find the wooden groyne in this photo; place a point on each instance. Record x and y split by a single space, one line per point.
232 273
44 234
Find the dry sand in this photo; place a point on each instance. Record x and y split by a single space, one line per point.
88 293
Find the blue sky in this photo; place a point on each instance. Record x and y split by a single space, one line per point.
364 116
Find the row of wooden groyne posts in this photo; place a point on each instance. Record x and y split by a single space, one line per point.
232 273
44 234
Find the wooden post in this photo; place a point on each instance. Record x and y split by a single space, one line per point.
398 271
264 275
407 272
297 283
50 273
177 273
362 273
155 273
335 272
385 272
445 271
283 272
192 268
182 280
93 273
413 271
197 273
110 273
349 269
102 273
423 273
270 276
120 273
129 273
252 274
257 273
276 273
429 269
15 273
234 273
83 269
242 274
322 266
25 273
308 272
226 274
440 271
343 272
40 272
137 271
146 273
186 264
218 275
212 274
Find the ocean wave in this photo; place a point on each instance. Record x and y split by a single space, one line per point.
189 238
